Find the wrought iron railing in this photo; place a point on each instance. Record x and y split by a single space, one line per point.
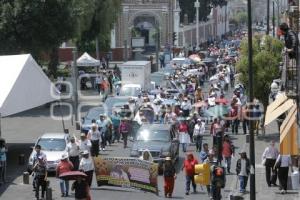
290 77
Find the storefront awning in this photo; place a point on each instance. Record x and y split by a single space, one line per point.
288 123
277 109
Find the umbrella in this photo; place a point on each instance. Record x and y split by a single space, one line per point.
169 102
72 175
209 60
195 58
216 111
222 101
200 104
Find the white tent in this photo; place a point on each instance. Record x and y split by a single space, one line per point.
87 61
23 84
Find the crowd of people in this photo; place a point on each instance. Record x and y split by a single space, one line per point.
199 98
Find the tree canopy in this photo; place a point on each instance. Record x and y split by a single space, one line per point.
40 26
187 7
266 58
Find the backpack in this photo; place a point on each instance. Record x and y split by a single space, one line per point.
124 128
218 176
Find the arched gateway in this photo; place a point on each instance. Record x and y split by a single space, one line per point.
140 21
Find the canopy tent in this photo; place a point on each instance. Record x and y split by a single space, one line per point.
23 85
87 61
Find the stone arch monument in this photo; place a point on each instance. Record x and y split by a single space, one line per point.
146 18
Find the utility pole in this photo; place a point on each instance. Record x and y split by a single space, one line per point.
197 6
97 48
0 126
75 87
125 51
273 17
268 17
226 17
157 48
251 130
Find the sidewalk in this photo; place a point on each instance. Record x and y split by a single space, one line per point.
262 189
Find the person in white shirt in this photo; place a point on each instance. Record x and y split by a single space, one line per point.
95 137
73 152
269 157
84 143
186 107
198 133
156 109
283 163
87 166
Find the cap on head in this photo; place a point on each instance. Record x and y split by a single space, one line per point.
64 156
85 152
168 158
40 157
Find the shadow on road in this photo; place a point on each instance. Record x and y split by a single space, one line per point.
14 169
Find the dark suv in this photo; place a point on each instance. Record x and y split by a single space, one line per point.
159 140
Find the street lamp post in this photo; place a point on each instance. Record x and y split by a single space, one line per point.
273 17
75 87
251 96
268 17
226 18
197 6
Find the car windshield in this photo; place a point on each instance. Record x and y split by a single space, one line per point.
52 144
94 113
113 103
130 91
153 135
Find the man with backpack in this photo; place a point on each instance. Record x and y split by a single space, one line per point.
124 130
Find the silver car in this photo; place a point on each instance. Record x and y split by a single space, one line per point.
54 145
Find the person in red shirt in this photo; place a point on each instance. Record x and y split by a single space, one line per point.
227 152
64 166
189 167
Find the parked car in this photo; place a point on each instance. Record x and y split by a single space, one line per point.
159 139
93 113
54 145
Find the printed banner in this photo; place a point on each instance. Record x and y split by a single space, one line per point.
127 173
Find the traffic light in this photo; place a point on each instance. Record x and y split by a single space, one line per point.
174 36
203 174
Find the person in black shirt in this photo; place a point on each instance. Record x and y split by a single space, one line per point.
40 170
169 177
291 40
81 189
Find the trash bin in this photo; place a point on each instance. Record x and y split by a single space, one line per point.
21 159
25 178
49 193
295 180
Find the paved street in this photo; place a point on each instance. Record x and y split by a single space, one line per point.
31 124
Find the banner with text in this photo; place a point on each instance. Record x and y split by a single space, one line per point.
127 172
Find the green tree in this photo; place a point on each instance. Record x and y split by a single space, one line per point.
37 27
266 58
241 18
101 20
